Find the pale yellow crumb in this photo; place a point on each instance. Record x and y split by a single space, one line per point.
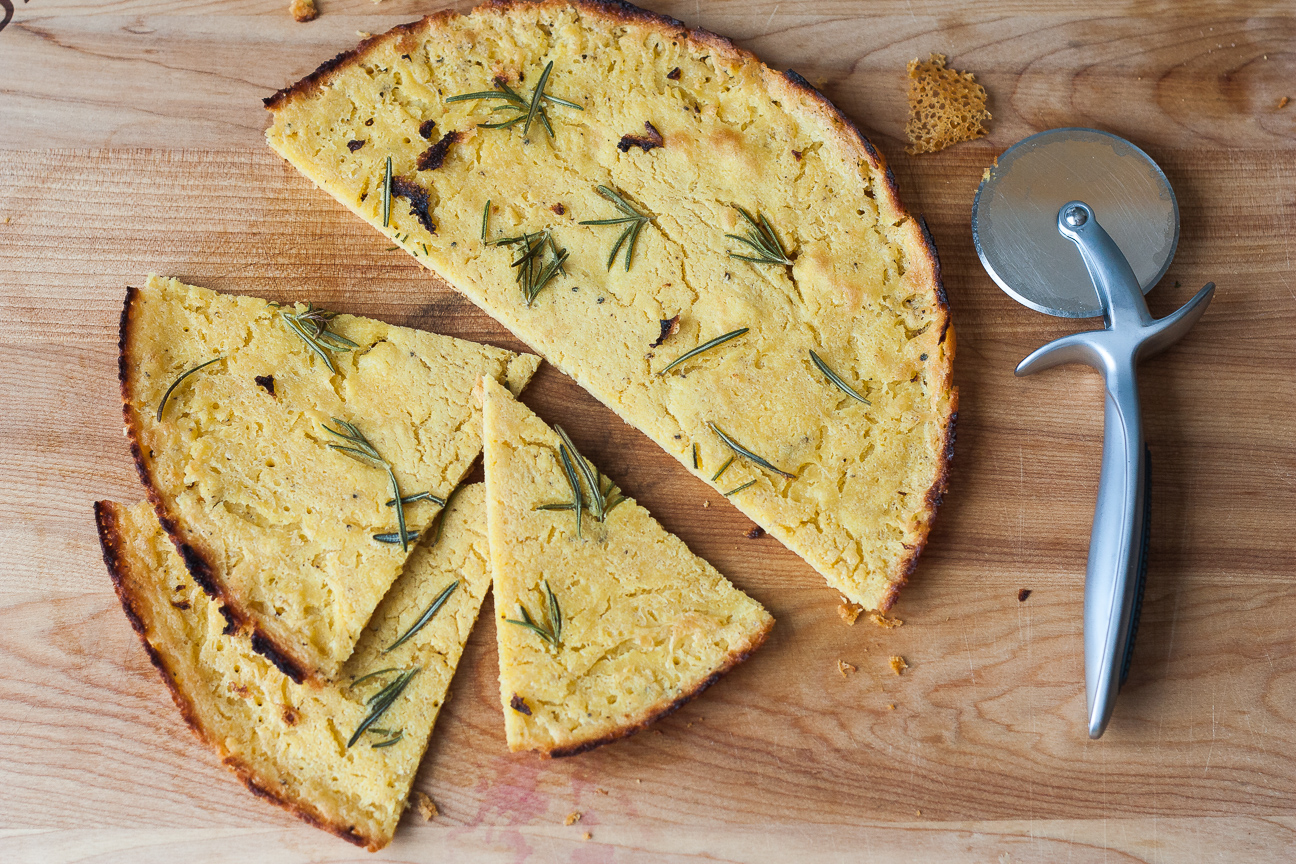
424 806
890 706
883 621
898 664
572 818
706 504
919 812
304 10
587 836
846 668
1282 103
363 34
601 791
849 611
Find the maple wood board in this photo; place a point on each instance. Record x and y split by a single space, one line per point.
132 143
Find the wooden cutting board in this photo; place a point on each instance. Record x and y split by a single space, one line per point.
132 136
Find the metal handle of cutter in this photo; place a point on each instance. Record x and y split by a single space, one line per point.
1117 545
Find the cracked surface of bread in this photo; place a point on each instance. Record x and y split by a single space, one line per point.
863 291
266 515
646 624
287 741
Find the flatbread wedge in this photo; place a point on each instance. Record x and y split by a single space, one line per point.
601 629
263 435
288 742
620 192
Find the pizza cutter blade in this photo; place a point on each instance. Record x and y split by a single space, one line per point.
1079 223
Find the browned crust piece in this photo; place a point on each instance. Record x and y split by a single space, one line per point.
196 561
629 14
111 543
655 713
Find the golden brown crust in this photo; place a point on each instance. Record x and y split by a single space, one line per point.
196 562
111 542
655 713
887 195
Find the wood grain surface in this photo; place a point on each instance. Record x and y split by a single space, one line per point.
132 143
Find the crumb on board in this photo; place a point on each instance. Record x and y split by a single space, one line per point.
849 611
363 34
304 10
1023 594
898 664
706 504
945 106
756 533
884 622
890 706
1282 103
423 806
572 818
601 791
846 668
587 836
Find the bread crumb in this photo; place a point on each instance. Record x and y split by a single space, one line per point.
424 807
706 504
587 836
890 706
601 791
898 664
849 611
919 812
304 10
846 668
945 106
756 533
884 622
1282 103
1023 594
572 818
363 34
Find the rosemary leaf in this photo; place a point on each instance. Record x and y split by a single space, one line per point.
535 100
706 346
485 219
312 326
696 466
574 483
382 701
591 479
363 678
422 496
394 537
555 614
836 379
553 632
425 617
747 454
176 383
740 488
723 468
400 733
386 198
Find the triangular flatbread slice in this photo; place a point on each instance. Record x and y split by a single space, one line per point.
229 402
288 742
621 192
602 633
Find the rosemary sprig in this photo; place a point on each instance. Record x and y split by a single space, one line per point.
422 496
723 468
386 199
361 449
485 219
603 493
533 275
747 454
599 502
425 617
706 346
382 700
528 109
732 492
836 379
631 218
312 327
551 633
762 239
176 383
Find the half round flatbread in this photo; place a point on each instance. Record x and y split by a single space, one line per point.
732 201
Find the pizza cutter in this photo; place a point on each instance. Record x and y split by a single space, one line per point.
1079 223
